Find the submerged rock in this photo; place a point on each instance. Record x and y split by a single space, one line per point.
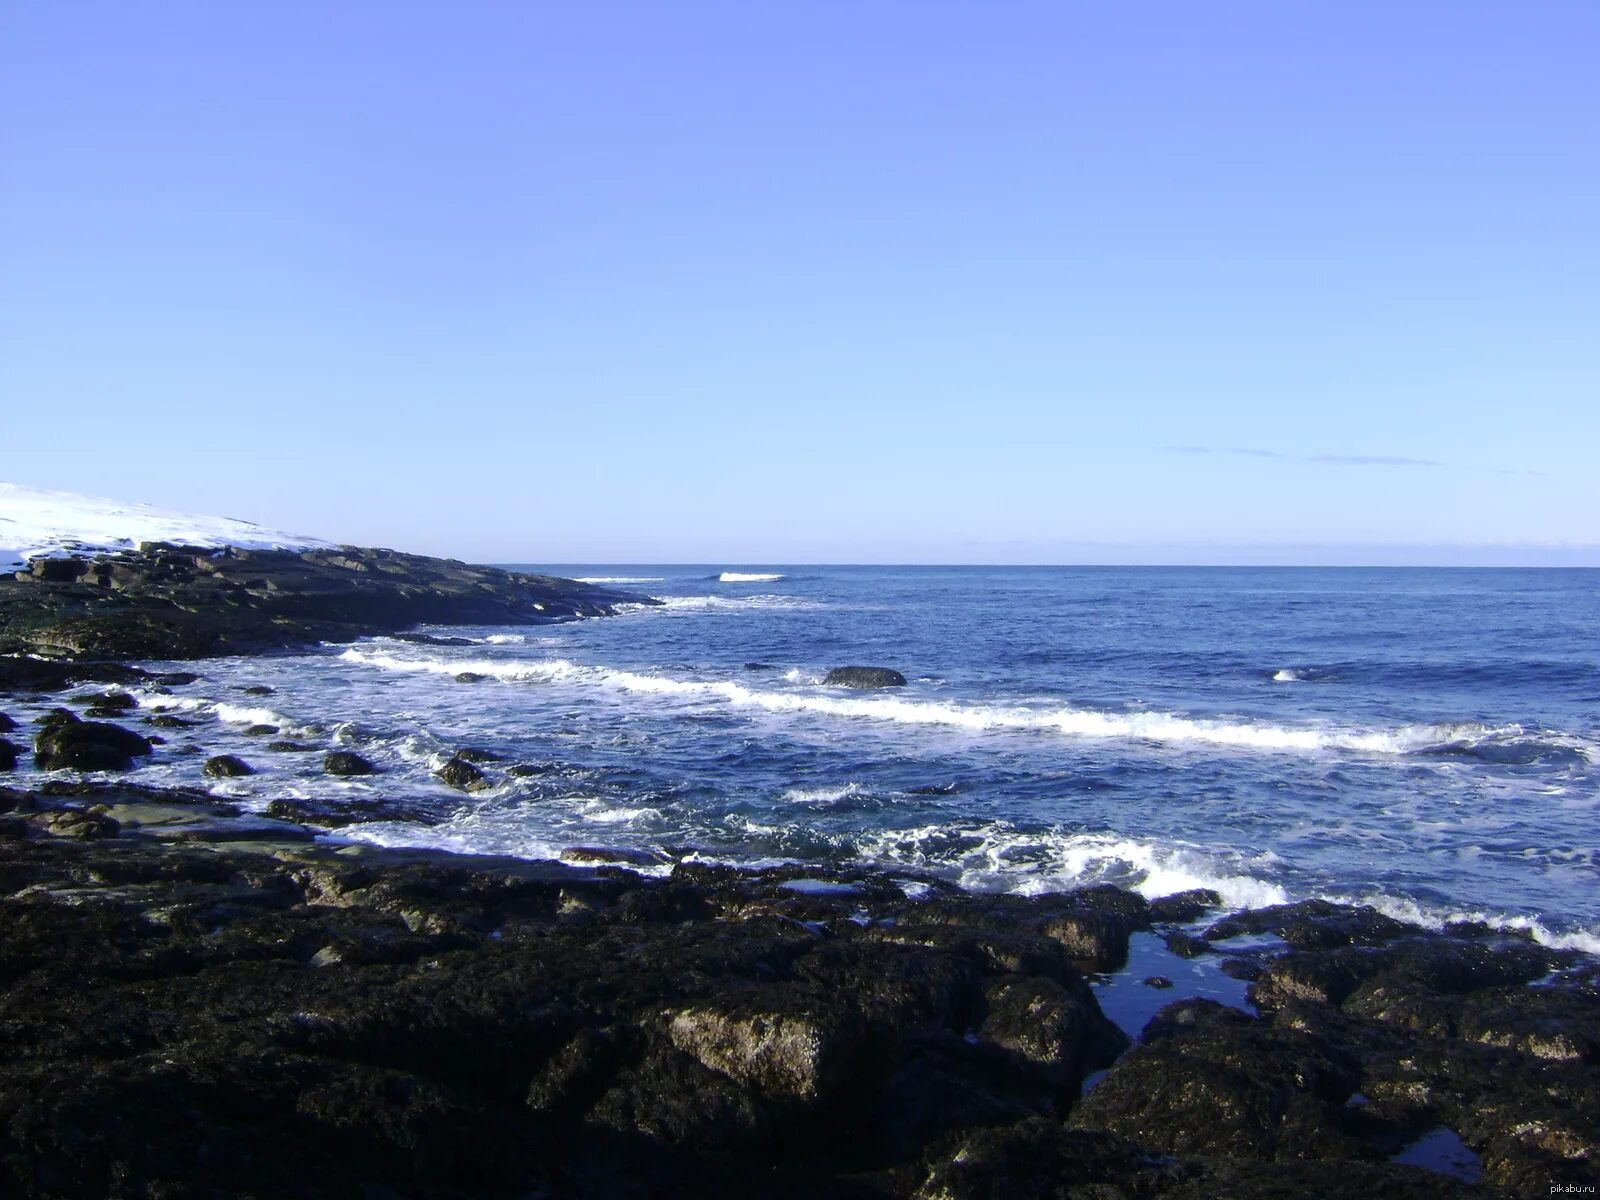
864 677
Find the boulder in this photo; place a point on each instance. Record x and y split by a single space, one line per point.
463 776
864 677
6 723
226 766
87 746
9 751
346 762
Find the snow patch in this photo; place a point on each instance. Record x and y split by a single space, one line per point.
39 523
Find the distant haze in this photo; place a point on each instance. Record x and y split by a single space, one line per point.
879 282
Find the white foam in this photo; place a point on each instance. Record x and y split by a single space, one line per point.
504 639
619 579
997 856
1158 727
821 795
1403 908
1286 675
38 523
747 577
232 714
699 604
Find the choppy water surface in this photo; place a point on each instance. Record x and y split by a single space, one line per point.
1423 739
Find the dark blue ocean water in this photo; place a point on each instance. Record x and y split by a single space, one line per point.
1425 739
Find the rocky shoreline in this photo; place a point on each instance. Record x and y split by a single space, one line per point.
196 1001
202 1001
163 601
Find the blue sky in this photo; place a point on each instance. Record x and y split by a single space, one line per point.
815 282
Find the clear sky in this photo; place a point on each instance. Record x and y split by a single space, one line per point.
824 281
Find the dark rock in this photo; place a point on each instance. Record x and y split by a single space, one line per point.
346 762
258 689
864 677
1057 1025
935 789
473 754
463 776
1182 907
168 721
27 674
609 854
290 747
1208 1080
260 730
9 753
760 666
115 702
335 814
226 766
6 723
428 639
1036 1159
1098 937
1156 981
176 678
470 677
162 602
1187 945
81 825
87 746
1313 924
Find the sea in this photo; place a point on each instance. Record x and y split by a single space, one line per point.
1423 740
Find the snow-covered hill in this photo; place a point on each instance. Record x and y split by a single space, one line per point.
36 523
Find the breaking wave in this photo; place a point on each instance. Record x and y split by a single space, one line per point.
1500 743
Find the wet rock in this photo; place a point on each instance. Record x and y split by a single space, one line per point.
346 762
473 754
781 1043
335 814
113 702
1180 908
1057 1025
6 723
226 766
1096 936
288 747
428 639
1156 981
609 854
26 674
87 746
258 689
864 677
1186 945
168 721
84 825
1342 1180
470 677
463 776
260 730
1313 924
9 752
1208 1080
1036 1159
